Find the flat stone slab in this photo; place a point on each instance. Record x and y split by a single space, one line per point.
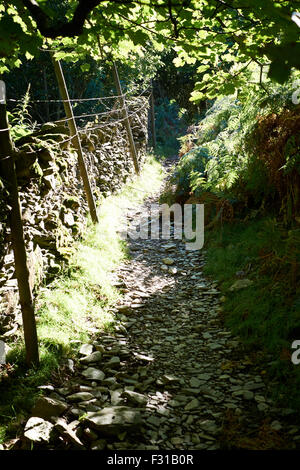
170 379
143 357
168 261
80 396
114 420
93 374
86 349
192 405
135 398
38 430
46 407
113 362
94 357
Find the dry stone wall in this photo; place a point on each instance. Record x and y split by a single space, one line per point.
52 200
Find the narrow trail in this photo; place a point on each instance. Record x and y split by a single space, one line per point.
171 376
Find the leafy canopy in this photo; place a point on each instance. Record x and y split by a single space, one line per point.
225 36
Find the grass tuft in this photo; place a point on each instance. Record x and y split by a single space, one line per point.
265 315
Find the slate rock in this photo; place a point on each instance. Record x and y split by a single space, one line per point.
248 395
115 397
91 373
143 357
154 421
195 383
114 420
86 349
46 407
192 405
168 261
99 445
80 396
113 362
38 430
135 398
68 433
94 357
170 379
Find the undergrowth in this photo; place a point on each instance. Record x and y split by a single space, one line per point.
20 118
265 315
246 150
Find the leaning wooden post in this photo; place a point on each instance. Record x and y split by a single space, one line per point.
76 141
8 172
152 118
126 120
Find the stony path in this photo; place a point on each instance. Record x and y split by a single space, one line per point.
170 377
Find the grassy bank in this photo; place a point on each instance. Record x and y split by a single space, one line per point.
265 315
75 304
242 162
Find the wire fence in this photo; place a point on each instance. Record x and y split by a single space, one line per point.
110 117
99 98
102 119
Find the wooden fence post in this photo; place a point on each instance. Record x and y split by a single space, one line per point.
126 120
76 141
152 117
8 172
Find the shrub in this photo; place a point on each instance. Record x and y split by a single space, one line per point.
246 150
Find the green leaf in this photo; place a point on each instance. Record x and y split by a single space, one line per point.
197 96
279 71
85 67
178 62
202 68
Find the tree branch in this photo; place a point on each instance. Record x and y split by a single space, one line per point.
52 28
173 19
